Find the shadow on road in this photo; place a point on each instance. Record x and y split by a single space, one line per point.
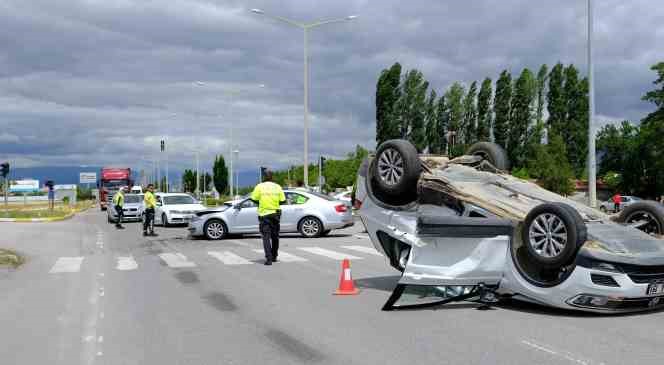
384 283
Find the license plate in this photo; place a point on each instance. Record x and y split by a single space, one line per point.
655 288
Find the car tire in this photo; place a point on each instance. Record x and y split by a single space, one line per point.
644 210
553 234
395 172
164 220
491 152
603 209
215 229
310 227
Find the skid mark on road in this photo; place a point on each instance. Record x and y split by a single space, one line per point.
220 302
572 358
294 347
187 277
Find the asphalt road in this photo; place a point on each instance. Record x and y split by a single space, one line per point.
90 294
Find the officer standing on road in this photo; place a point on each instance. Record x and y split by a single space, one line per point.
269 196
118 203
150 205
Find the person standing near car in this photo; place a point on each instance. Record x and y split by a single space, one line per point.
269 197
616 202
150 202
118 204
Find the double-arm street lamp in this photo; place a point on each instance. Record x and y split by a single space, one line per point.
305 27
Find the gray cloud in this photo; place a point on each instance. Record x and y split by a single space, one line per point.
98 82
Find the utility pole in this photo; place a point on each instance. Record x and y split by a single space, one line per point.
592 168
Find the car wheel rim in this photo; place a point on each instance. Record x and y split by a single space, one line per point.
310 227
215 230
645 222
547 235
390 166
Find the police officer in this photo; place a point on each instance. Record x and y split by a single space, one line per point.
269 196
118 204
150 202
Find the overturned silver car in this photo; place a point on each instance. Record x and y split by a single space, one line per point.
462 229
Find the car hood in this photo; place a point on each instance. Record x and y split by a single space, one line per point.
215 210
187 207
609 241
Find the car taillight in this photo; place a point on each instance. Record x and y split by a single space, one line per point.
341 208
357 203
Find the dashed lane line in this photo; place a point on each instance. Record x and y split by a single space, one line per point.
364 249
229 258
285 256
67 264
176 260
126 263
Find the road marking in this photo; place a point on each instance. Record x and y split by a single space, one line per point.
561 354
126 263
285 256
176 260
67 264
229 258
364 249
329 253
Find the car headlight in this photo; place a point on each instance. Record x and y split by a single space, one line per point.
196 218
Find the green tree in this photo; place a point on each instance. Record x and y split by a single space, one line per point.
220 174
206 182
443 115
410 108
653 130
502 107
484 112
432 127
555 99
522 102
469 125
188 181
387 94
577 122
454 99
552 167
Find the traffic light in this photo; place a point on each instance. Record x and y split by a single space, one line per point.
163 145
263 170
322 162
4 169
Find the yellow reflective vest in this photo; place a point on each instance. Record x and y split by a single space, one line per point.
149 200
118 199
269 196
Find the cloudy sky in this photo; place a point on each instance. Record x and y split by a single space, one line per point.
102 81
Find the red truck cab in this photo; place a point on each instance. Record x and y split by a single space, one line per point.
112 179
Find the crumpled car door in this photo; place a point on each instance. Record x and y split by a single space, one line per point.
456 258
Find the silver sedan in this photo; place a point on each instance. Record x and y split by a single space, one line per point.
309 213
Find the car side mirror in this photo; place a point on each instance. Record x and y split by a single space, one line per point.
237 207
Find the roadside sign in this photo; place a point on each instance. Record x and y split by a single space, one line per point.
88 178
24 186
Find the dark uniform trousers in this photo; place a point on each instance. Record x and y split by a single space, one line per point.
120 213
149 220
269 227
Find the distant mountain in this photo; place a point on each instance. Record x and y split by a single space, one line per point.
70 174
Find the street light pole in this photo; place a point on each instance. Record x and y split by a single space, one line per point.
305 27
592 168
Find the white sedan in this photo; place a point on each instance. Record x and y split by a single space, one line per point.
176 208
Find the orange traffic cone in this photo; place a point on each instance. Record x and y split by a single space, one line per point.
346 285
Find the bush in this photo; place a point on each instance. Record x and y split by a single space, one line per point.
552 168
521 173
65 200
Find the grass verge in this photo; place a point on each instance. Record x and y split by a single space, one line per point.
10 258
42 211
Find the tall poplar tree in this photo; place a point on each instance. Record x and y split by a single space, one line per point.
454 99
484 111
522 114
410 108
443 115
432 128
469 126
555 99
502 108
387 93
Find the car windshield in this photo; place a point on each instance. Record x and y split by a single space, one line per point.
133 198
178 199
114 184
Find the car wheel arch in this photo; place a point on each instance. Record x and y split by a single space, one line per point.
320 220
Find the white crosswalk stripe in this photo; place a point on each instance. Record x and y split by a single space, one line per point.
285 256
329 253
364 249
176 260
67 264
229 258
126 263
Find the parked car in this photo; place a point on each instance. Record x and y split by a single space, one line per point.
309 213
133 209
344 197
176 208
464 229
625 201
